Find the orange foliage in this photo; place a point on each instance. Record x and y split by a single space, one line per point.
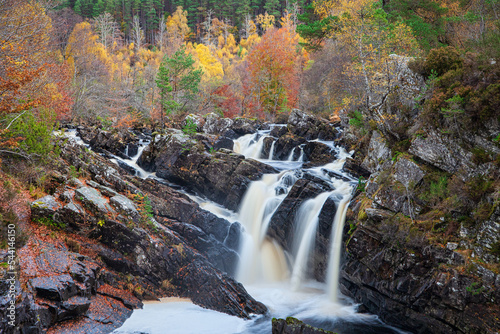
275 65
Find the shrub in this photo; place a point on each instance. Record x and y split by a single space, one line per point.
190 127
36 131
442 60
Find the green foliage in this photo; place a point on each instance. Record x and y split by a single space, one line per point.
356 120
442 60
106 123
36 131
190 127
478 187
438 191
361 184
425 17
178 81
475 288
145 209
313 29
49 222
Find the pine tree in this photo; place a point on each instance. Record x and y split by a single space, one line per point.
273 7
178 82
99 8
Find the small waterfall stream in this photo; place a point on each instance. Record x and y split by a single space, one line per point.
260 202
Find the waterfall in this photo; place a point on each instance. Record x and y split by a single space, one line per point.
301 157
290 157
260 258
307 223
249 146
271 151
336 244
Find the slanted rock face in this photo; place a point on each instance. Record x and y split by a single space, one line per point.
441 152
180 255
295 326
488 238
310 127
406 286
378 153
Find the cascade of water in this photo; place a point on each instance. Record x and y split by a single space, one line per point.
249 146
126 150
333 270
260 258
301 157
271 151
290 157
307 222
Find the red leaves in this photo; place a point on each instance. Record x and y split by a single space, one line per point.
228 102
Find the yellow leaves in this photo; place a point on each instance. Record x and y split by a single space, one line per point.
177 24
265 21
212 68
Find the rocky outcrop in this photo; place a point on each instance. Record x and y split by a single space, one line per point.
123 143
417 288
230 128
395 267
295 326
222 177
310 127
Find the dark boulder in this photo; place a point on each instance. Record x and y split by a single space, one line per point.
282 224
56 287
295 326
318 154
310 127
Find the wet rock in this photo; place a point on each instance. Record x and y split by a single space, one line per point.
72 308
282 224
125 297
56 287
310 127
285 145
323 234
222 177
278 131
243 126
295 326
409 288
355 169
318 154
217 254
117 143
223 142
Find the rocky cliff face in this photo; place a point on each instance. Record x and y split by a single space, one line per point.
422 248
